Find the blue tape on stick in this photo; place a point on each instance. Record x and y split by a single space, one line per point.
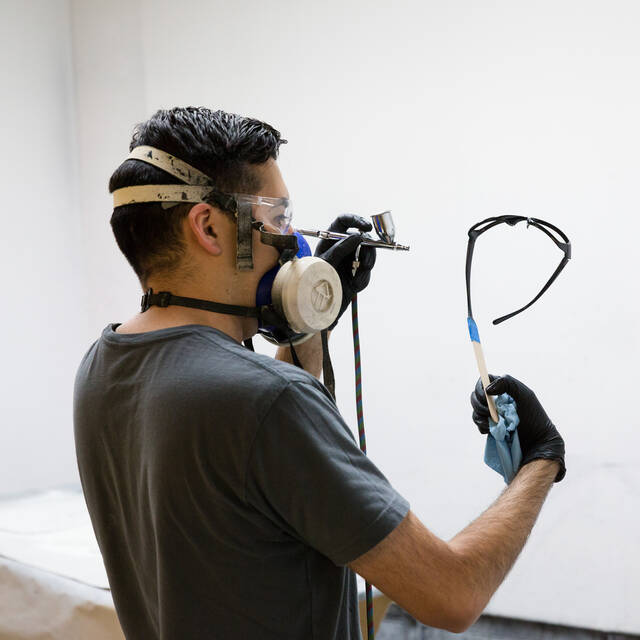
473 330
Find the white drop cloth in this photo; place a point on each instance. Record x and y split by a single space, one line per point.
53 583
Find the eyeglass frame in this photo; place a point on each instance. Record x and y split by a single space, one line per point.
478 229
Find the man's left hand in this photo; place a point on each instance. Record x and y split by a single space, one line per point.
340 254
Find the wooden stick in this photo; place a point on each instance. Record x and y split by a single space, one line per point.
482 367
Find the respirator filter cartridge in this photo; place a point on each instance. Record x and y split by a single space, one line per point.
308 293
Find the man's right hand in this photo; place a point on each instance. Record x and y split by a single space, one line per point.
341 253
537 434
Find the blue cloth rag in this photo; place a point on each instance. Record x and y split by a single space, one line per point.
502 452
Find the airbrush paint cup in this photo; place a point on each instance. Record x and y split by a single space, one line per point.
383 224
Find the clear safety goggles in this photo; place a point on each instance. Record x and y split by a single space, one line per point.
275 213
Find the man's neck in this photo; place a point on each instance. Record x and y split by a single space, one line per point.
235 289
155 318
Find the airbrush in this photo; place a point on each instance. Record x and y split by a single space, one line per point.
383 225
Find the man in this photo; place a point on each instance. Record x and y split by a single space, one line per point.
227 494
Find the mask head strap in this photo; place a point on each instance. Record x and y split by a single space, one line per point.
172 165
198 187
286 244
244 255
547 228
166 298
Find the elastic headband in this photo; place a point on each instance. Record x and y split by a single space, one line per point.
165 161
198 187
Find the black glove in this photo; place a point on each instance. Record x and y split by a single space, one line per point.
340 254
537 434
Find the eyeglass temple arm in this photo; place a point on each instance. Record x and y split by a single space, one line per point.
556 273
470 246
565 247
474 233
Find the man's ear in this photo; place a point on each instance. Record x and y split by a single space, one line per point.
201 221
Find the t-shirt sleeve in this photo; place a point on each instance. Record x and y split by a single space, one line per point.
306 473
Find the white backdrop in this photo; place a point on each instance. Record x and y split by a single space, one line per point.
43 320
445 113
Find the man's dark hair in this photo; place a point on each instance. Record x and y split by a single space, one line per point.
222 145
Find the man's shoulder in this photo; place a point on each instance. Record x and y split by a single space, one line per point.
191 354
271 379
283 371
263 369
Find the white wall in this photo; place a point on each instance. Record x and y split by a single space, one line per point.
446 113
43 320
110 98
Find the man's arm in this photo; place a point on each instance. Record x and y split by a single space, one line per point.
448 584
309 353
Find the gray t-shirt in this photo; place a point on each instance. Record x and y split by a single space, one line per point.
226 492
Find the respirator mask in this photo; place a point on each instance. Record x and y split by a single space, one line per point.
297 298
